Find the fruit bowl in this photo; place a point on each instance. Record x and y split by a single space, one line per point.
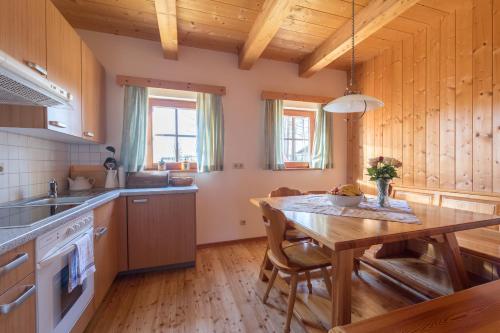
344 200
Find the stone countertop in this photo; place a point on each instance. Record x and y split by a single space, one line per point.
11 238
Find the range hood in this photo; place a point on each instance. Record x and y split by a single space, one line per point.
20 85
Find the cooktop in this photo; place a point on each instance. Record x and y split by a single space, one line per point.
26 216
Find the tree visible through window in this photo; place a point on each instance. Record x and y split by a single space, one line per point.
172 131
298 132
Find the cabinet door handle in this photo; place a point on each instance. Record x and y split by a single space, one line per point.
57 123
16 262
140 201
6 308
37 68
101 232
89 134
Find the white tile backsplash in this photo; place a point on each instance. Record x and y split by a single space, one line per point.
88 154
29 163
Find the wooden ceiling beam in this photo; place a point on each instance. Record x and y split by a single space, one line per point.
263 30
368 20
166 14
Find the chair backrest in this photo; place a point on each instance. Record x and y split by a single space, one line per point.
284 192
316 192
275 222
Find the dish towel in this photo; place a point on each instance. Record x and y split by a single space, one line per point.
81 261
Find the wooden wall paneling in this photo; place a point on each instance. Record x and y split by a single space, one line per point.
370 116
397 104
378 114
432 113
482 96
447 104
463 99
408 82
350 149
362 128
388 83
496 95
419 110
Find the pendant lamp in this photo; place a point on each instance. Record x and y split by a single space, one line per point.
353 100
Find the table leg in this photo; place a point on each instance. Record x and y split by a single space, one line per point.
390 250
453 260
342 262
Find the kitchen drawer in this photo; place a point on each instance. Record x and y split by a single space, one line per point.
16 264
21 317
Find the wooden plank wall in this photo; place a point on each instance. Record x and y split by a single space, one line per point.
441 87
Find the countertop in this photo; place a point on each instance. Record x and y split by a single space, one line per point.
14 237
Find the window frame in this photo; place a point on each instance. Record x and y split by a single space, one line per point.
312 127
170 103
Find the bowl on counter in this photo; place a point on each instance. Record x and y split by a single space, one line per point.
345 201
181 181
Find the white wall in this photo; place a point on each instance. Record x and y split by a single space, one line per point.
223 199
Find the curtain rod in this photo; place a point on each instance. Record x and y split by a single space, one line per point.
295 97
123 80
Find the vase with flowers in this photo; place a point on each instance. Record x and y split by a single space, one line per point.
383 170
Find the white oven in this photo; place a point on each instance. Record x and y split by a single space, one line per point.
57 309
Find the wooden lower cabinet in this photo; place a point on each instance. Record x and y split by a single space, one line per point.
22 318
161 230
107 220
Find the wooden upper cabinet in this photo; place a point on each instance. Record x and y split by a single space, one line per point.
22 30
93 85
64 67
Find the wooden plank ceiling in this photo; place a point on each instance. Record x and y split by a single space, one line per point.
226 25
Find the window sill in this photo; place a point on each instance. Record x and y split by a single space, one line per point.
298 169
183 171
173 170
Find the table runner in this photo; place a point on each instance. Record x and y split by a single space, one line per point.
320 204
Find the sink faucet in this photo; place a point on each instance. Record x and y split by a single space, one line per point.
52 188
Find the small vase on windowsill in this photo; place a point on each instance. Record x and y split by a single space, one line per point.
383 192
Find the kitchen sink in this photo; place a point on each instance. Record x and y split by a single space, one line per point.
57 201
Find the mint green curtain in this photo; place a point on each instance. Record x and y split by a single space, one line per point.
273 132
322 153
210 132
135 115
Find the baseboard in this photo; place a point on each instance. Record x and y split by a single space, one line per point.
229 242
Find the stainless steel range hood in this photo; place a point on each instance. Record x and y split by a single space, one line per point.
21 85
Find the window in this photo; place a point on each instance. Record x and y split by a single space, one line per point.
298 133
171 132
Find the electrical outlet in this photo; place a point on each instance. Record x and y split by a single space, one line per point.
238 165
2 168
243 222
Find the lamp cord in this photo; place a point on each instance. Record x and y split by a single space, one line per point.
353 56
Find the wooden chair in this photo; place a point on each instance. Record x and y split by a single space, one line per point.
291 235
292 259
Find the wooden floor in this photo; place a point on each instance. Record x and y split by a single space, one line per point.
223 294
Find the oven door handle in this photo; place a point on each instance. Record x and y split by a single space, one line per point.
61 252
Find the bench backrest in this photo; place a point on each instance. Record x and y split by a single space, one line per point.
470 201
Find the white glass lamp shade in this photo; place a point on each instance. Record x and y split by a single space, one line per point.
353 103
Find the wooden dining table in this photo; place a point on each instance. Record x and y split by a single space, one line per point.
347 235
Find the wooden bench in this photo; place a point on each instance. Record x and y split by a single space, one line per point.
473 310
482 244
